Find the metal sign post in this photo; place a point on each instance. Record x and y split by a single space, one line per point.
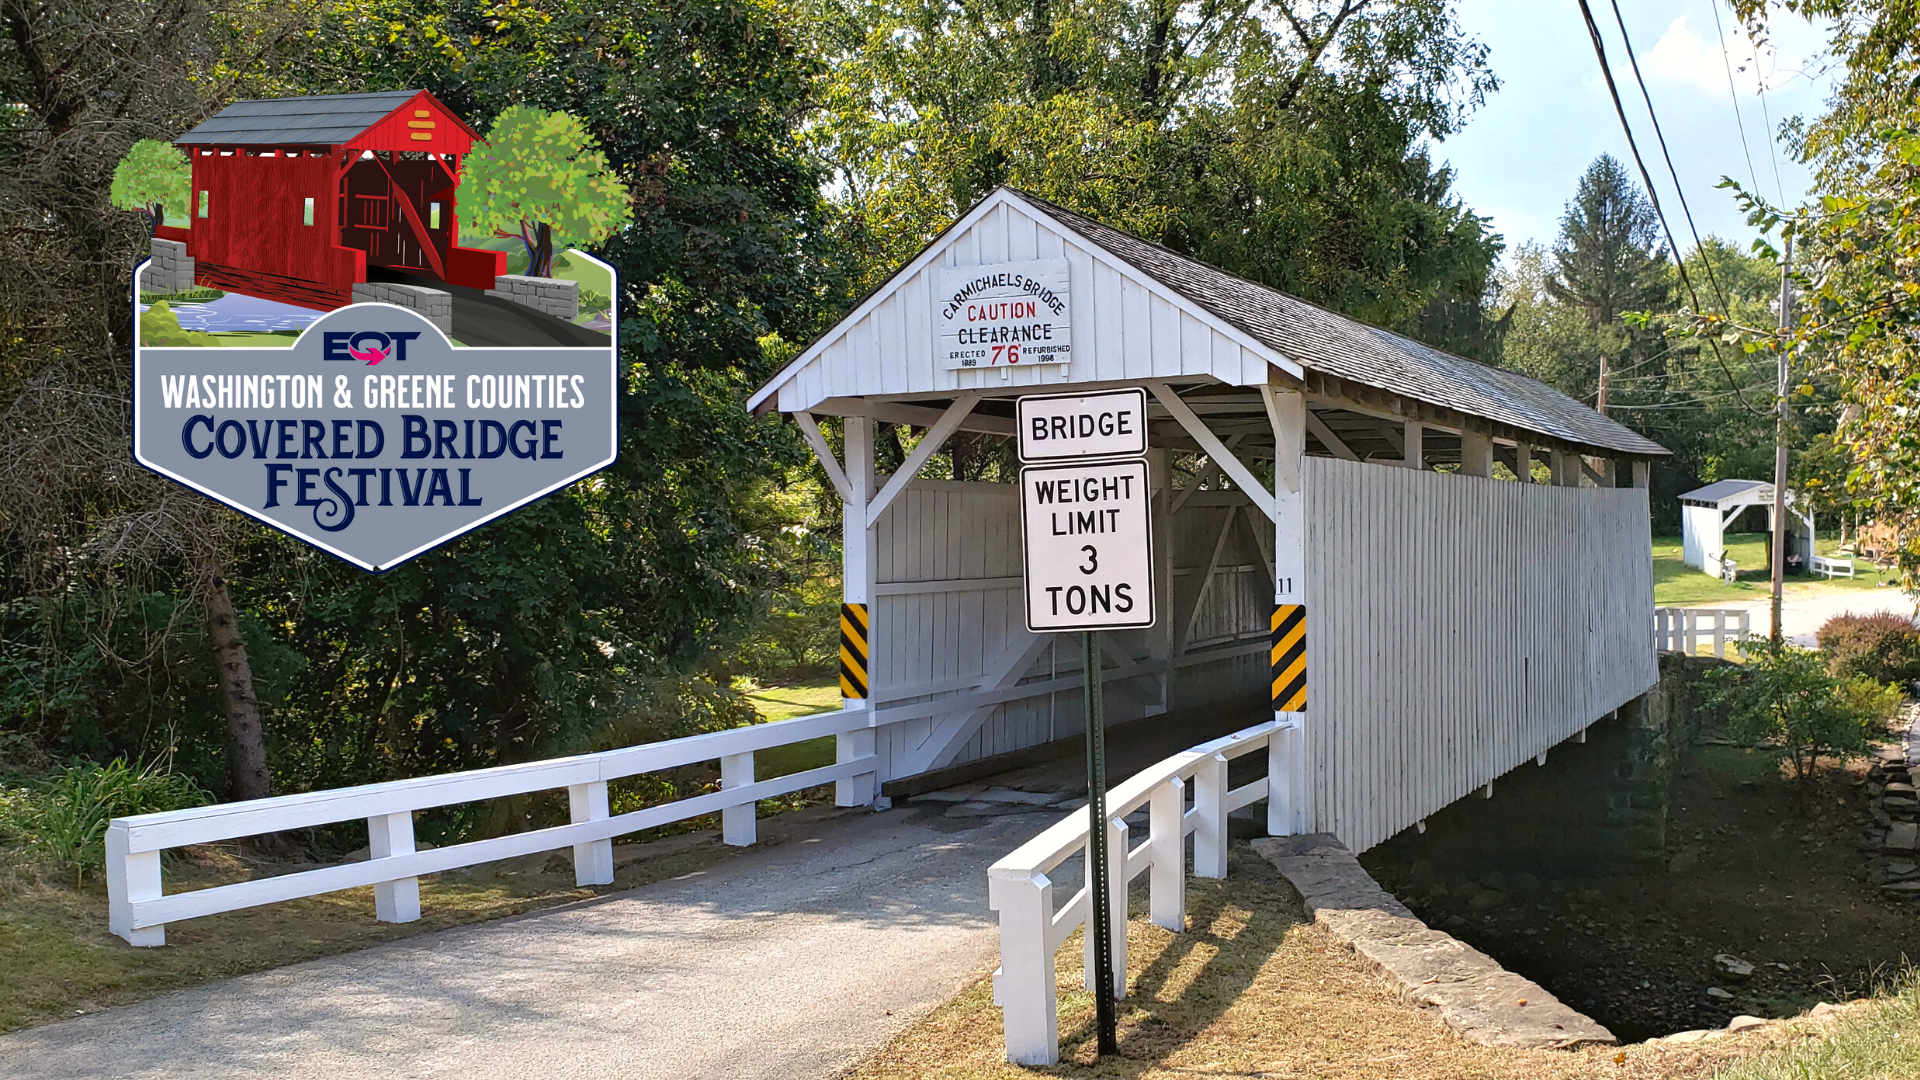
1089 567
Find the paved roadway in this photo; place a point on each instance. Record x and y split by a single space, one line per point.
782 963
1805 608
787 962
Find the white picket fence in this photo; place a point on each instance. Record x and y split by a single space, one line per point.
1684 630
139 909
1032 929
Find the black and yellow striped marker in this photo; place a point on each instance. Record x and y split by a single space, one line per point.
1289 658
853 650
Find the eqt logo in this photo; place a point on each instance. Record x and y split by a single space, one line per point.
367 346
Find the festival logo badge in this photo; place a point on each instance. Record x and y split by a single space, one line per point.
317 348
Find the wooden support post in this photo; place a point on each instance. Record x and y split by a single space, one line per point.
1609 473
1524 452
737 827
1566 469
1476 454
389 835
1024 987
1210 817
131 877
1288 809
592 861
857 572
1167 878
1415 453
1160 638
1642 472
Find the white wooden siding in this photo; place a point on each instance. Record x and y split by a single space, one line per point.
947 612
1125 325
1457 627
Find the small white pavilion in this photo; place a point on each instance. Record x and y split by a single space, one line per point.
1706 512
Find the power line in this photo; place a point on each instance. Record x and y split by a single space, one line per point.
1680 264
1678 191
1779 188
1734 94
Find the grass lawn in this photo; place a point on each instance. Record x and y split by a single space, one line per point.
1881 1042
1675 584
57 958
785 703
1255 989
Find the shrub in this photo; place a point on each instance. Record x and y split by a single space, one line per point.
1786 696
160 326
66 816
1884 648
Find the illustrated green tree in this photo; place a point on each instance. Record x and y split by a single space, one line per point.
153 176
542 179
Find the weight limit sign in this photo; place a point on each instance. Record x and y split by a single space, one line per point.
1089 546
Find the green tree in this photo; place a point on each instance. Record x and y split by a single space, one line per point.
1287 145
1785 696
1607 258
541 179
153 176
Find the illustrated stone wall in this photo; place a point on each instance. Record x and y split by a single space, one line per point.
555 297
171 270
432 304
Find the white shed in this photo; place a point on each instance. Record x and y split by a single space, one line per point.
1706 512
1306 467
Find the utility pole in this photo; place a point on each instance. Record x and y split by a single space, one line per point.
1780 456
1600 406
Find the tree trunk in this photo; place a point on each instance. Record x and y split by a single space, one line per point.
247 748
543 252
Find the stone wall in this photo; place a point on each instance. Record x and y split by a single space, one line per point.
432 304
171 270
1593 807
555 297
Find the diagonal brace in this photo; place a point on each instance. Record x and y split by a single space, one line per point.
1216 450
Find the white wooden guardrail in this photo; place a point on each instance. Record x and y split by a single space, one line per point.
1683 630
1032 929
1832 567
139 910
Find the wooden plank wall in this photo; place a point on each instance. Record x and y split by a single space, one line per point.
947 610
1457 627
1217 613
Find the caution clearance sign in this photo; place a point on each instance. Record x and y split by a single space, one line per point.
372 437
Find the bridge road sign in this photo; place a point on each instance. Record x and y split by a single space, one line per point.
1088 538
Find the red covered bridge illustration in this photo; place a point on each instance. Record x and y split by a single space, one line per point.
295 198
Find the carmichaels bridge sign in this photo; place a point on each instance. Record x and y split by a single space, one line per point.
372 437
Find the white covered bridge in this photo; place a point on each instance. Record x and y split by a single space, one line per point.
1456 622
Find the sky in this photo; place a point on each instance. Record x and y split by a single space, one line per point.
1520 155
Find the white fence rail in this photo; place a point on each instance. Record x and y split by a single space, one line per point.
1831 567
139 909
1684 630
1032 928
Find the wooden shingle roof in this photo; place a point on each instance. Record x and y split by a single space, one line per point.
1334 344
